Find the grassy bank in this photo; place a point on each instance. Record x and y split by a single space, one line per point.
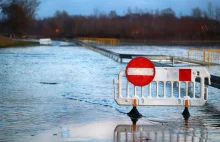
7 42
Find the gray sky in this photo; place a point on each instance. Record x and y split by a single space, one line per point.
87 7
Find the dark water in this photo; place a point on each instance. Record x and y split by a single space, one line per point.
46 86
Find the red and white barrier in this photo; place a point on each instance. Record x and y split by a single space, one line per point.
174 76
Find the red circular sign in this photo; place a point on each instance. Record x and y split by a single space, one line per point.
140 71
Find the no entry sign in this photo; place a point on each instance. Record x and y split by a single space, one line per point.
140 71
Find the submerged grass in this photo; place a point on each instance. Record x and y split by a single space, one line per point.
7 42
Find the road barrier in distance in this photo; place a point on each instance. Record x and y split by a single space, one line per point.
111 41
210 56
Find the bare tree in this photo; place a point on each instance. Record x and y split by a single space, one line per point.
217 13
29 6
18 13
15 18
2 3
205 14
112 14
157 12
210 10
129 11
196 12
96 12
167 12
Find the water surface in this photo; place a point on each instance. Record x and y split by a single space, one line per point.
50 90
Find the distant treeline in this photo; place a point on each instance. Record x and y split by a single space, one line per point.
158 24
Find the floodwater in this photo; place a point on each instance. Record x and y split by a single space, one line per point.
58 93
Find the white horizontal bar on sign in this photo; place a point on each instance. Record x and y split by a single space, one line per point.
141 71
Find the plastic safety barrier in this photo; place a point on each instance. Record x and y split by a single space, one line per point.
171 86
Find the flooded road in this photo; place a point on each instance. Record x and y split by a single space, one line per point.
53 93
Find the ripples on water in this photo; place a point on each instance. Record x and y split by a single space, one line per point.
39 85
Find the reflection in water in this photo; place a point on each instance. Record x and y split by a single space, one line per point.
115 131
143 133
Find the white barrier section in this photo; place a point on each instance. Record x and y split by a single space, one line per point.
45 41
171 86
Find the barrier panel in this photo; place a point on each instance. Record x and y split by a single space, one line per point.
171 86
210 56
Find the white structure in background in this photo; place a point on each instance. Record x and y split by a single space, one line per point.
45 41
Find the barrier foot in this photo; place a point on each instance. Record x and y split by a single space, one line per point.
186 113
134 113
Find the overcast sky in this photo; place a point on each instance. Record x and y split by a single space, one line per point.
87 7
